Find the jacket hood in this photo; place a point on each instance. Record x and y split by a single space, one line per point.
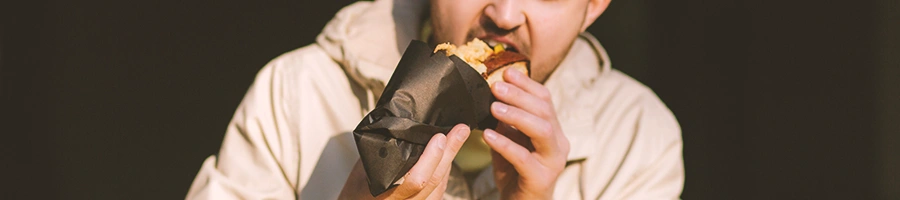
368 38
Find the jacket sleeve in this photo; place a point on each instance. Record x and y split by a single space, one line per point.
655 157
641 156
259 157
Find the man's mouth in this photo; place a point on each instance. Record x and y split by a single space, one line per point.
506 46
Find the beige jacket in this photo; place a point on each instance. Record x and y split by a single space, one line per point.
291 136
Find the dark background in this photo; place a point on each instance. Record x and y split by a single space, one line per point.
777 99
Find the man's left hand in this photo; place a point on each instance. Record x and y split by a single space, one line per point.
529 149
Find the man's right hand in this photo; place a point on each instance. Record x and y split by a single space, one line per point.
425 180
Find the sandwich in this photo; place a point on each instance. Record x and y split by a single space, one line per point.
489 61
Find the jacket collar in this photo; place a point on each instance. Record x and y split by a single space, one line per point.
586 62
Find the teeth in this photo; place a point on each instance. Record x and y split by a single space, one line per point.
491 42
495 43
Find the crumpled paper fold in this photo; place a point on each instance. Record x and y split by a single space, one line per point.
428 93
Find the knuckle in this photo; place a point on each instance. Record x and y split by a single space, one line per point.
522 159
543 93
416 183
417 186
548 128
545 130
435 180
546 111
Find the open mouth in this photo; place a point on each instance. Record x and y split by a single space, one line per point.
505 46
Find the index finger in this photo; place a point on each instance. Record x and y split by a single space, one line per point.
520 80
539 131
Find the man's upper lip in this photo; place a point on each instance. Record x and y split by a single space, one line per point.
501 39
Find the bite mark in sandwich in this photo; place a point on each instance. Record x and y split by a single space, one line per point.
489 62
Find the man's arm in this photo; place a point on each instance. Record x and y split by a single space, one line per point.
256 160
653 167
663 178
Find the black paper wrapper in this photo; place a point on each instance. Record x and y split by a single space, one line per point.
428 93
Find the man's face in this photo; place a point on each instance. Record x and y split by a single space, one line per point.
543 30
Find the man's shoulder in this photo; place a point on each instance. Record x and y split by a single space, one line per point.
654 114
619 86
309 64
305 58
628 83
631 95
304 73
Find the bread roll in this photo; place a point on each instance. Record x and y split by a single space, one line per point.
489 61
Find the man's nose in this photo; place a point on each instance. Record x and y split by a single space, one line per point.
506 14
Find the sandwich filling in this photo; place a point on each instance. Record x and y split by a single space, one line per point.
489 61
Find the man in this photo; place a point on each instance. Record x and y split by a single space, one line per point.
582 130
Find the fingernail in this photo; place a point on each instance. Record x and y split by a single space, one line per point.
490 134
501 88
500 107
442 142
462 135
